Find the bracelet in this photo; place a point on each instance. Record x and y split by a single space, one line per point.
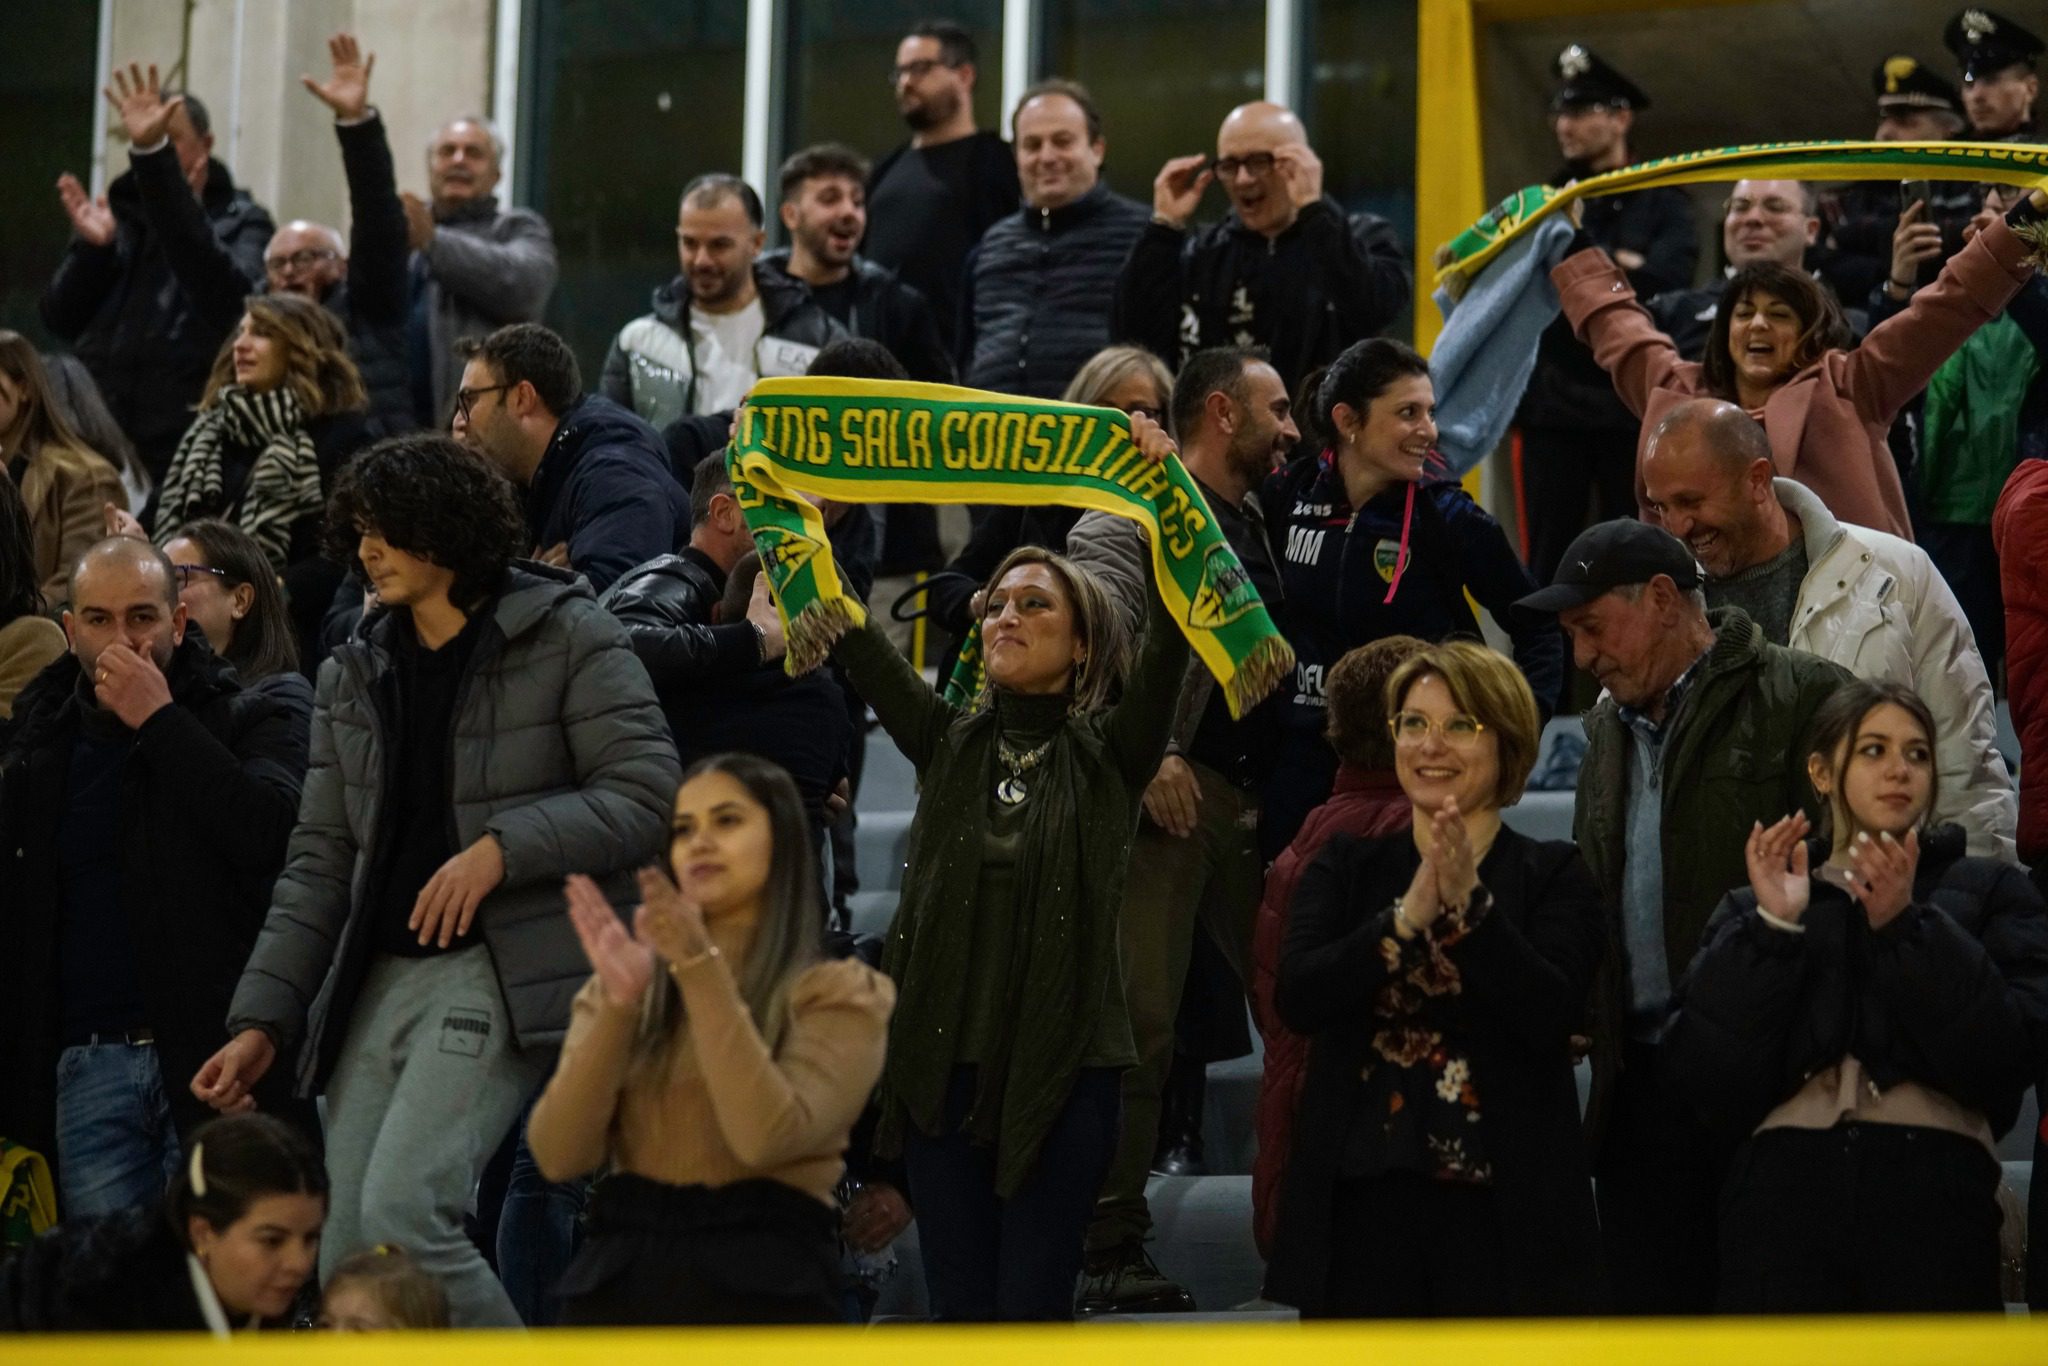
760 642
1907 285
1401 920
710 952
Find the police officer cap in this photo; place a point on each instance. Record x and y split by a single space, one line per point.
1584 81
1987 43
1902 83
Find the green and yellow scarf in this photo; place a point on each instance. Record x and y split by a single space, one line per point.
869 441
1465 255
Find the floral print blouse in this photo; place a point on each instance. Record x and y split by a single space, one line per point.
1420 1111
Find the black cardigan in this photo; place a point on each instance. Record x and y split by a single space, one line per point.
1952 995
1527 970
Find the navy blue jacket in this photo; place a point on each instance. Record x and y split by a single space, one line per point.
605 488
1337 565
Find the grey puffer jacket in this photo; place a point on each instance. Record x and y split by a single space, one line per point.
558 749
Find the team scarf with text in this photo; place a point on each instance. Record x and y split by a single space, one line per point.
2006 163
873 441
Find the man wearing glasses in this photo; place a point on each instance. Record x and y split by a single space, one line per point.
1286 269
361 281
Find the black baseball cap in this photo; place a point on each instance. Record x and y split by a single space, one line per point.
1613 555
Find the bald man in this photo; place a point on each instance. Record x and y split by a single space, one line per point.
1286 269
1865 600
362 281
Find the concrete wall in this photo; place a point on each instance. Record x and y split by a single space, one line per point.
245 57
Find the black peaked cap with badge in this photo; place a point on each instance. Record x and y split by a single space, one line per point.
1903 82
1585 81
1613 555
1986 43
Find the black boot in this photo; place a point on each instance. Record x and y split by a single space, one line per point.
1180 1119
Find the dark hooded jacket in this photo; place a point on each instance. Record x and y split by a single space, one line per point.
605 488
884 309
148 312
122 1273
208 796
1327 281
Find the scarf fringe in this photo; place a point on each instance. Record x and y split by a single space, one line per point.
813 632
2035 235
1270 661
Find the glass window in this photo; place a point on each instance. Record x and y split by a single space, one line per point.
623 102
1163 73
837 86
1358 100
46 97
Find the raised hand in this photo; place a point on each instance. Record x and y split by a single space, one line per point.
623 965
347 91
1301 170
1151 439
668 922
762 613
1177 189
140 102
1914 243
90 218
1777 862
1881 875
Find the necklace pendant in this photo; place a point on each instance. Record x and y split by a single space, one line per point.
1011 791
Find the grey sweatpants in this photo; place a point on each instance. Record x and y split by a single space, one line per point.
428 1083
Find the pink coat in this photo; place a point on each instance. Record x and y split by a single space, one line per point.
1827 423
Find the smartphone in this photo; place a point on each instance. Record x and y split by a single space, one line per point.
1913 192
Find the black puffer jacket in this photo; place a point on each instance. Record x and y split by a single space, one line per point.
1327 281
148 313
1952 995
1039 290
888 311
374 301
208 797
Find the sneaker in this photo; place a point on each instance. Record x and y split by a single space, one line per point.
1123 1280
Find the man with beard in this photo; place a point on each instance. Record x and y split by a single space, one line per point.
1999 84
1196 853
1578 438
931 199
722 324
475 266
1286 269
146 799
824 210
362 280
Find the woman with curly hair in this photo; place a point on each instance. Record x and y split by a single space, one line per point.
486 734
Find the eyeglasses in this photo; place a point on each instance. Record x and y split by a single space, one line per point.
917 70
1410 728
465 399
189 573
300 260
1775 208
1258 164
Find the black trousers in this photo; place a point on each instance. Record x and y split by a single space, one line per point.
1562 469
1967 559
1860 1218
988 1259
1406 1247
751 1252
1657 1182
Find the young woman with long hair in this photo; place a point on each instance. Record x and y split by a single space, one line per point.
1863 1019
28 638
232 594
715 1064
64 483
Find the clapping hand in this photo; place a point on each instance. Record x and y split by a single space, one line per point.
347 91
1777 860
669 923
1457 870
624 966
140 102
1881 873
90 218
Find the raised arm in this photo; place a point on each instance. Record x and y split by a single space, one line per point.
1596 296
915 716
1142 720
794 1102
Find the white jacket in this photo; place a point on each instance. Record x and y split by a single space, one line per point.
1877 606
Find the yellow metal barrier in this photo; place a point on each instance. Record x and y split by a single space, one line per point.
1721 1342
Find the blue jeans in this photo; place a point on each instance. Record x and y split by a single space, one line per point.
537 1234
116 1145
